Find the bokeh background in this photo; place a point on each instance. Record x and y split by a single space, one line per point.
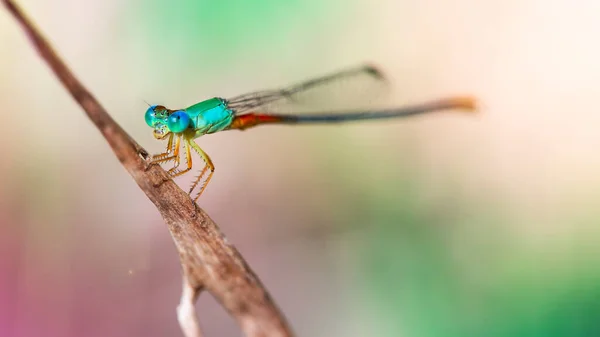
437 226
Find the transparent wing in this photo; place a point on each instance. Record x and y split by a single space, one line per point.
351 88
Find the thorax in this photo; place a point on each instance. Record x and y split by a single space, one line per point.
210 116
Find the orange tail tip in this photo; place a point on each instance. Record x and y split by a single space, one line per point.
467 103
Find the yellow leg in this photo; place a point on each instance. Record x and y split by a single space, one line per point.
165 154
156 159
188 156
198 179
209 166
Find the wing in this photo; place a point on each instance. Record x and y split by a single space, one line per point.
332 91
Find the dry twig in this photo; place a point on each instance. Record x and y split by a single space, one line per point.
207 260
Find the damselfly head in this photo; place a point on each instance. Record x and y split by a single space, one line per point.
157 117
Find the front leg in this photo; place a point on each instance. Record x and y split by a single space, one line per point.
175 172
165 157
157 158
175 157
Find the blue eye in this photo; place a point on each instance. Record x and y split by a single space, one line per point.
151 116
178 121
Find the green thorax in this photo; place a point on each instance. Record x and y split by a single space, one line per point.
209 116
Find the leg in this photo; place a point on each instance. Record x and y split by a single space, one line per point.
174 172
209 166
165 154
174 157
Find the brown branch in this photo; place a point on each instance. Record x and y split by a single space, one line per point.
207 260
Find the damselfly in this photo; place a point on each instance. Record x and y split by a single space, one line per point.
257 108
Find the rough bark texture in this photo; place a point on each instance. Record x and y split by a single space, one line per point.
208 261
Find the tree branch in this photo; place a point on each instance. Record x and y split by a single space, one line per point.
208 261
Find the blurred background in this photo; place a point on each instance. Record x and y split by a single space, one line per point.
437 226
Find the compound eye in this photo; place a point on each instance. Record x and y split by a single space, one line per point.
151 116
178 121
